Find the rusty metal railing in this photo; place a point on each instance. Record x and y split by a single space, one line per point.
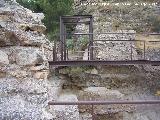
131 45
143 50
93 103
94 46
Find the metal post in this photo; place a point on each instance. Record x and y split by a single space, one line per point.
91 38
144 50
64 41
67 54
131 51
61 37
88 52
54 52
93 116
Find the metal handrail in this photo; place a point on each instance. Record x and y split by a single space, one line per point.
92 103
131 46
108 33
103 102
118 40
131 41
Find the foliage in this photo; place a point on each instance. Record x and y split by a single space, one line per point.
79 44
52 10
82 42
70 44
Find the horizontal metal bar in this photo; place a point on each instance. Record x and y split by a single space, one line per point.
80 51
78 34
153 33
119 40
152 41
103 102
76 17
98 33
115 33
86 22
102 62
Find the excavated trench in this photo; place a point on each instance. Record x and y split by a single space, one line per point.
113 83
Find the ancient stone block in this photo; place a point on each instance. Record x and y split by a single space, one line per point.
3 58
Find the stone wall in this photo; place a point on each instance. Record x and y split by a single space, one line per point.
24 53
120 15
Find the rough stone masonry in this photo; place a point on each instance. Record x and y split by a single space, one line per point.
24 54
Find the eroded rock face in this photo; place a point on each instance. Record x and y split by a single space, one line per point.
17 108
4 58
29 57
102 94
19 26
24 53
2 3
116 49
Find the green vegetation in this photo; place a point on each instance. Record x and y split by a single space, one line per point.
141 19
70 44
52 9
77 44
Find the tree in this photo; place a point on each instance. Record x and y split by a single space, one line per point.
52 9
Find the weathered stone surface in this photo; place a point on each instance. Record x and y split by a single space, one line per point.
33 91
31 38
24 51
102 94
54 88
141 115
2 74
33 27
2 3
28 57
3 58
63 112
7 38
13 52
38 17
116 50
33 86
46 115
8 86
153 54
38 68
15 108
19 26
19 74
27 85
85 116
99 93
16 36
41 74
